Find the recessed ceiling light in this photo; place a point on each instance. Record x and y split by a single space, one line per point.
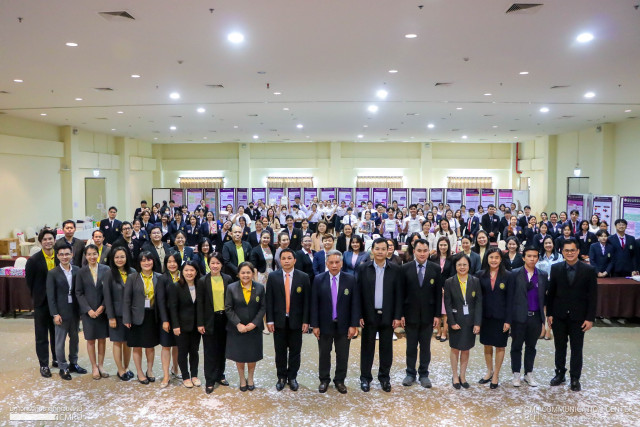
174 95
627 111
360 136
135 76
18 80
120 112
524 73
515 137
235 126
494 126
365 126
458 108
43 114
464 136
235 37
487 94
285 109
372 108
113 129
589 95
382 94
204 137
78 99
411 36
71 44
544 110
255 136
201 110
155 138
431 125
172 128
299 126
393 71
277 93
584 37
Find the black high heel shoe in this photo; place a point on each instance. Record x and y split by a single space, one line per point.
455 385
244 387
463 384
144 381
484 381
493 386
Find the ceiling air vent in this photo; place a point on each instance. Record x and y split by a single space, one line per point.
443 84
118 15
4 92
215 86
103 89
560 86
522 8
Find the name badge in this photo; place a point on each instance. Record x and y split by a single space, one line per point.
465 310
69 299
147 303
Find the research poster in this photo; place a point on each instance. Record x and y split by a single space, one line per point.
242 195
454 198
631 212
505 197
603 207
259 194
418 195
576 202
487 197
227 197
400 196
437 195
345 195
177 195
328 193
380 195
194 195
210 200
472 198
293 193
309 194
362 195
275 196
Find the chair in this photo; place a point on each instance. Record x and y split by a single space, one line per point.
20 263
25 246
502 245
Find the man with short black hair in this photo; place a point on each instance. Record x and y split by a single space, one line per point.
76 245
624 253
319 258
523 222
491 223
304 258
295 234
138 212
110 227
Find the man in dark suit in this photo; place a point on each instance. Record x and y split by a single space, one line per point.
380 286
574 222
422 304
133 246
505 221
335 314
36 271
304 258
527 314
254 236
600 254
138 212
288 296
295 234
110 227
555 226
157 247
491 223
472 225
319 263
571 310
253 212
63 306
624 251
76 245
523 221
235 251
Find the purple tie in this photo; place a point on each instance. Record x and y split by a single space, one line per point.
334 297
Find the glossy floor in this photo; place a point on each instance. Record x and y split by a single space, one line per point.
610 396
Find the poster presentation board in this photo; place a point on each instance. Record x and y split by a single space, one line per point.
309 194
436 195
227 197
487 197
472 198
454 198
259 194
380 195
362 195
345 195
631 212
577 202
242 197
194 195
159 195
328 193
505 197
418 195
275 196
605 207
400 195
293 193
211 200
177 195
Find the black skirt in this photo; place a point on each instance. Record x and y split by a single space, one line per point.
491 333
145 335
95 329
167 339
120 332
244 348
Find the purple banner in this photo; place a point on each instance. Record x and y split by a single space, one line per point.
436 195
418 195
328 193
603 207
487 197
259 194
380 195
211 200
309 194
505 197
227 197
362 195
293 193
345 195
242 195
400 195
472 198
631 212
275 196
576 202
194 195
177 195
454 198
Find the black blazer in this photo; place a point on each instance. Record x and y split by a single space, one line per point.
391 292
58 293
256 257
193 235
113 290
204 302
300 298
623 260
237 309
253 239
157 264
453 300
182 308
133 306
555 230
347 305
491 226
576 301
304 263
90 296
341 243
473 230
602 263
585 245
519 299
537 240
447 270
36 275
188 253
421 304
104 256
512 265
230 256
77 248
523 221
245 234
347 262
133 248
495 303
296 238
110 233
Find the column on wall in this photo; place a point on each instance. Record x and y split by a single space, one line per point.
335 164
603 150
123 149
244 165
426 165
70 180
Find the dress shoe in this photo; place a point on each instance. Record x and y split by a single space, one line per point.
575 385
463 384
54 364
144 381
386 386
151 378
209 389
293 385
443 339
493 386
485 380
365 385
341 388
251 387
130 374
123 377
74 367
65 375
280 384
425 382
557 380
456 385
408 380
223 382
45 371
323 387
244 388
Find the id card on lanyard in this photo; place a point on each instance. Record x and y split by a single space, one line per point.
147 303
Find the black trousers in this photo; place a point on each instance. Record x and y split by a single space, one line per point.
215 346
368 349
568 330
418 334
45 334
338 223
287 342
325 344
526 333
188 357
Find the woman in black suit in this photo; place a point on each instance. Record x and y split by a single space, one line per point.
113 288
139 232
169 352
245 229
496 318
356 256
565 235
180 240
344 239
585 239
143 310
182 308
89 291
531 230
262 258
212 321
443 259
192 231
244 306
203 255
209 229
512 258
543 231
463 304
482 244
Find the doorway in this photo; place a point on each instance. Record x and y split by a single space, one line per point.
95 195
577 185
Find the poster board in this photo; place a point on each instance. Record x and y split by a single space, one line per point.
292 193
400 195
472 198
520 198
177 195
275 196
579 203
242 197
345 195
436 195
487 197
631 212
380 195
227 197
605 207
194 195
259 194
211 200
418 195
454 198
159 195
327 193
362 195
309 194
505 196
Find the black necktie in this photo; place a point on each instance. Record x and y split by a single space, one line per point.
571 273
420 274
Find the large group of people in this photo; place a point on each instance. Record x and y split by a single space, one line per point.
174 278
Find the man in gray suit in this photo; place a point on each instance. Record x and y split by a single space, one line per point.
63 306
